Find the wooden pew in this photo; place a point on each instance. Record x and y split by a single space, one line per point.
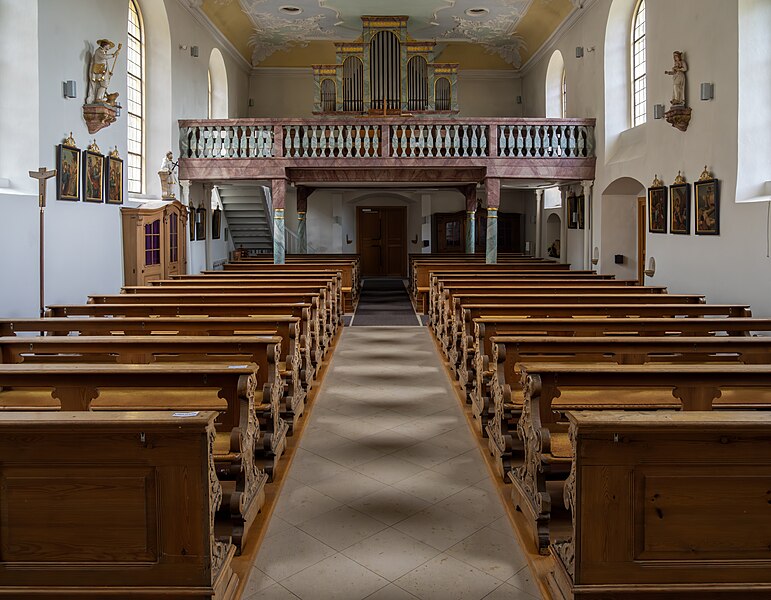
283 395
666 506
551 388
481 369
93 503
289 328
451 326
244 454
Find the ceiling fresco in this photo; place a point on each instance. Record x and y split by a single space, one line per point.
266 32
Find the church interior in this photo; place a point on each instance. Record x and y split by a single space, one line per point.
488 282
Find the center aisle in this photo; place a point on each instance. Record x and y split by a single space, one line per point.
388 497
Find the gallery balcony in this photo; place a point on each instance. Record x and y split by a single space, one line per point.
387 149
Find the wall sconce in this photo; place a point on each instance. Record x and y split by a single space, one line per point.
658 111
70 89
348 240
337 220
251 102
651 270
595 255
580 51
194 51
415 241
574 218
519 99
707 91
527 247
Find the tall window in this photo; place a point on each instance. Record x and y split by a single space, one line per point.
639 85
136 98
564 94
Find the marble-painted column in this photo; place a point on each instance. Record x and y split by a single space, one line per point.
538 224
184 196
302 210
493 194
470 191
278 196
587 186
425 226
208 190
564 224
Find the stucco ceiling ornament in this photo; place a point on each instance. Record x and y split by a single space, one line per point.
272 34
495 36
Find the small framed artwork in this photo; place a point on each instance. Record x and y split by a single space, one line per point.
580 211
216 224
113 181
680 209
572 211
200 224
93 174
707 192
68 170
191 222
657 207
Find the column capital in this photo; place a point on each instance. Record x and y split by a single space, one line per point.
539 194
184 191
587 185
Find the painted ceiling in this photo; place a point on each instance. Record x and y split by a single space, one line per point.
290 33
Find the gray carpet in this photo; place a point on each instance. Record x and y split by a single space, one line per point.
384 302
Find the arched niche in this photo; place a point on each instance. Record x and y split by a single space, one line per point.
385 70
353 84
417 83
552 233
160 128
219 85
328 95
443 94
554 73
617 66
619 227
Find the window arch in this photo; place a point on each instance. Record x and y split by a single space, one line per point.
639 66
555 86
136 99
417 83
328 96
353 84
218 78
564 94
443 94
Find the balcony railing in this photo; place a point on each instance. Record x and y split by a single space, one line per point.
399 138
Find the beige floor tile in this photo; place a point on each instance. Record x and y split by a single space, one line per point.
355 429
446 578
476 504
387 441
309 468
302 503
391 592
491 551
425 454
458 440
348 486
318 444
430 486
509 592
523 580
274 592
437 527
335 578
290 553
390 505
389 469
276 525
350 454
503 525
257 582
342 527
467 467
391 553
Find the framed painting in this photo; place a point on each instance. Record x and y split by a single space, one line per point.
93 176
680 209
113 181
200 224
572 211
707 192
191 222
216 224
580 211
657 209
67 172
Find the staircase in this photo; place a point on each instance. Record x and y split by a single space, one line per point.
250 225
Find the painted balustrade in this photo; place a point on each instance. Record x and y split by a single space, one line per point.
416 138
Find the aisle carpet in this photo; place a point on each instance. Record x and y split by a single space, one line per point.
385 302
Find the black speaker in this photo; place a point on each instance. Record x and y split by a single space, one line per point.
619 259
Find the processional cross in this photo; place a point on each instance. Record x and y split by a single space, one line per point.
42 175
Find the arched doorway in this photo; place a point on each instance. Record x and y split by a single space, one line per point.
623 229
552 242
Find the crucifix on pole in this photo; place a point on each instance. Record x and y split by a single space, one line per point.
42 175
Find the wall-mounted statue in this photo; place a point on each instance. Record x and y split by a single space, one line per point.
101 108
678 79
679 115
168 176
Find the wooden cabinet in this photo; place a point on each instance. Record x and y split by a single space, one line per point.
154 242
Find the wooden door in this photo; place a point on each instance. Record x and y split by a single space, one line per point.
152 236
641 246
382 240
450 232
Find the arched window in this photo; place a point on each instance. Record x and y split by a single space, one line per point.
555 86
218 82
564 92
208 102
417 83
136 99
639 84
328 96
443 94
353 85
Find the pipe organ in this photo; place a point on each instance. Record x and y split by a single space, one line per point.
385 72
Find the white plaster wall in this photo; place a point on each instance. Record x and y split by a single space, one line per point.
492 93
84 241
619 236
732 267
278 92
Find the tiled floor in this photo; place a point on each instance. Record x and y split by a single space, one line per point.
388 497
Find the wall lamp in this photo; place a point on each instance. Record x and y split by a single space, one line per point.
70 89
658 111
595 255
580 51
651 270
707 91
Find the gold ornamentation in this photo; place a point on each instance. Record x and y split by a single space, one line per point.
657 182
705 174
114 153
70 141
94 147
679 180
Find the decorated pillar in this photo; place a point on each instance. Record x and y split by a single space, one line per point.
538 224
278 197
470 191
302 209
564 190
493 193
587 188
